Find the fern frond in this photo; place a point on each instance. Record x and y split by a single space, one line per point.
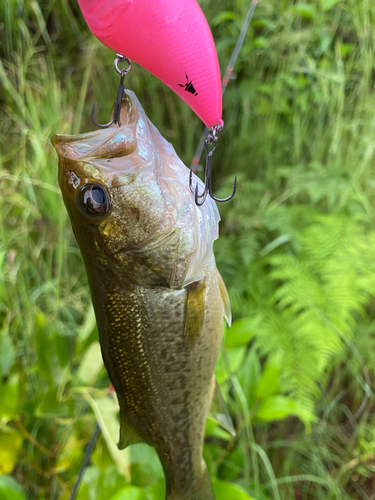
321 291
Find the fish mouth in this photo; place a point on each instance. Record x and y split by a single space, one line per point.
109 143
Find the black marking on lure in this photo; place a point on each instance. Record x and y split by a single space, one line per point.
189 87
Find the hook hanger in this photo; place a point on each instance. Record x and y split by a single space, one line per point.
120 93
210 146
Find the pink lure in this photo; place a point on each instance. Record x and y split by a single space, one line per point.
171 39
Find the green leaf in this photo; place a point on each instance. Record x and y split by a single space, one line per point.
214 429
146 466
263 22
7 354
328 4
91 364
98 485
231 468
10 489
226 15
10 397
280 407
305 10
269 380
50 406
249 376
346 48
130 493
62 350
229 362
106 410
241 332
10 443
230 491
43 345
88 326
261 42
156 491
276 243
70 455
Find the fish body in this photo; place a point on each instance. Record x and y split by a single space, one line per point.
171 39
158 297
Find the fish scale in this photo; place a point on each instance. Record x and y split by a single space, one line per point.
168 411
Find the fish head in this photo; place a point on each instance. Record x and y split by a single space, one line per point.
133 214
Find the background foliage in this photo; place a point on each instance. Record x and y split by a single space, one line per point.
296 250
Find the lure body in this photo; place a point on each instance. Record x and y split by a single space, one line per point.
158 297
169 38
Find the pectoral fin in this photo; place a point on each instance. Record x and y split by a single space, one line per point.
194 311
219 412
128 435
225 299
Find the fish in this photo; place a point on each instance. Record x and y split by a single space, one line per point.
158 297
172 40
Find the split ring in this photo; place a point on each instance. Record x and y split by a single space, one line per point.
121 58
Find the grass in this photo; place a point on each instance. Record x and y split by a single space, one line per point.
299 132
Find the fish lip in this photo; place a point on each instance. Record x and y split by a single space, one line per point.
104 144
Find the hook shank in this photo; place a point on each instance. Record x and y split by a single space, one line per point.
200 198
120 93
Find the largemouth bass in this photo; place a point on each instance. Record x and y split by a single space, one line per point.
158 297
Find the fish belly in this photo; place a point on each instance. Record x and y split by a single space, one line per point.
163 380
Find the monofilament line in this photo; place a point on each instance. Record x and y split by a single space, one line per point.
85 461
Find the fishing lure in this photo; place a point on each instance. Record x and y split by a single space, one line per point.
169 38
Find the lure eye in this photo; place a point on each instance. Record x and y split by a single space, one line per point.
93 200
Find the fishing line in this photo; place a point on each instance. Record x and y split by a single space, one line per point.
227 77
85 461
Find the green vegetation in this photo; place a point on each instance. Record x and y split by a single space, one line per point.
296 250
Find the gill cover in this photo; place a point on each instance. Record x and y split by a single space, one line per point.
171 39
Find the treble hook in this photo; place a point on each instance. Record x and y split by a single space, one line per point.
201 198
120 93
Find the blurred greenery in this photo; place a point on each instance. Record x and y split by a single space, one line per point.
296 251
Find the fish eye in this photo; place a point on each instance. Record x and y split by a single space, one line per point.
93 200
